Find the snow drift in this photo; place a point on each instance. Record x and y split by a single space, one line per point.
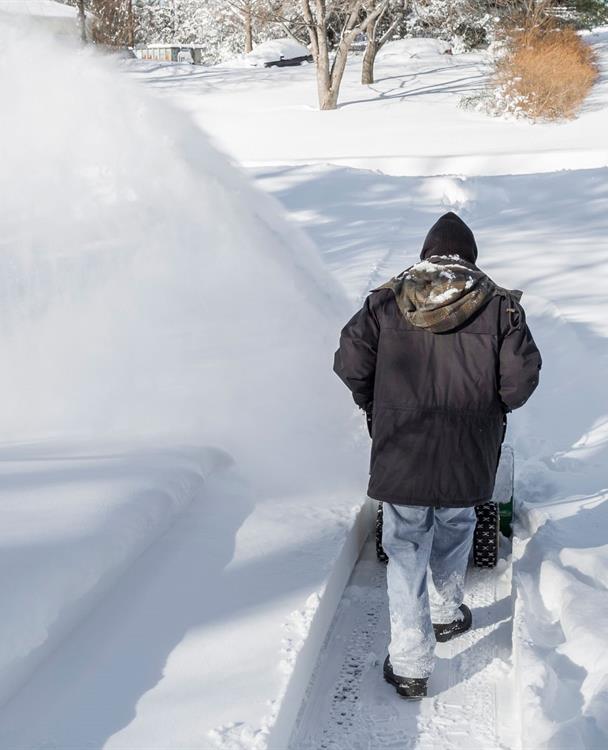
413 47
74 518
152 302
146 289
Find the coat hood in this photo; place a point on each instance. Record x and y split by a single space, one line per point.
441 292
449 235
445 289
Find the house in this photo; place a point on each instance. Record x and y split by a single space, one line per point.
191 54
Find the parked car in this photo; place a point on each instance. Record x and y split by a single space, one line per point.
283 62
276 53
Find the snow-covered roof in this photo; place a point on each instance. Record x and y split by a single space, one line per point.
44 8
166 45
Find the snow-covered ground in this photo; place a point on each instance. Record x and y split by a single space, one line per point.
408 123
148 290
544 233
348 707
74 517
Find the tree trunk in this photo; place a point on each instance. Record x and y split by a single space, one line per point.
82 21
248 28
375 44
130 24
329 77
324 84
329 99
369 58
337 71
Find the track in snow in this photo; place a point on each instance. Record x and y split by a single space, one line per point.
348 706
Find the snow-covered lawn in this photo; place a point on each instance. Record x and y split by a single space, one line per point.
408 123
149 290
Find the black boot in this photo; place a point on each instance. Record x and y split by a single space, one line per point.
456 627
413 688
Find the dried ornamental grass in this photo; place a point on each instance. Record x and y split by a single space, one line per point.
546 74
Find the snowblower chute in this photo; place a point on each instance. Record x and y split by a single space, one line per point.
493 517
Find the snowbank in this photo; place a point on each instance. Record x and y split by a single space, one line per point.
545 234
74 517
150 295
560 624
269 51
560 548
416 47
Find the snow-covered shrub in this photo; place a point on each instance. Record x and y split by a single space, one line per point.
545 74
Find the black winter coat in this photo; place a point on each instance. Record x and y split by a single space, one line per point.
438 400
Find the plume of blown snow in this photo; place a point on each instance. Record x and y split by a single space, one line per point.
146 288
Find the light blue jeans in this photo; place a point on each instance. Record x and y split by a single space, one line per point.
416 538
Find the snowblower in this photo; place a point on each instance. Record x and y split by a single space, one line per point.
493 517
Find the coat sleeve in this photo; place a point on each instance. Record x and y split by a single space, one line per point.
355 360
520 360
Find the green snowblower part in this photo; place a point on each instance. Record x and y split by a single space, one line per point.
504 489
506 517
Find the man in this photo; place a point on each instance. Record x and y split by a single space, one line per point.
436 358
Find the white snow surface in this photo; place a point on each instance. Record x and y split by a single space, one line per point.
348 706
157 311
545 234
146 287
73 518
402 50
154 303
409 122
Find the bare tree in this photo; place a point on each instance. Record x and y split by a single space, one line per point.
527 15
130 24
114 22
355 18
245 11
285 15
379 31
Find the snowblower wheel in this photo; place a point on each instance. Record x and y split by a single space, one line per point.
380 553
486 536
